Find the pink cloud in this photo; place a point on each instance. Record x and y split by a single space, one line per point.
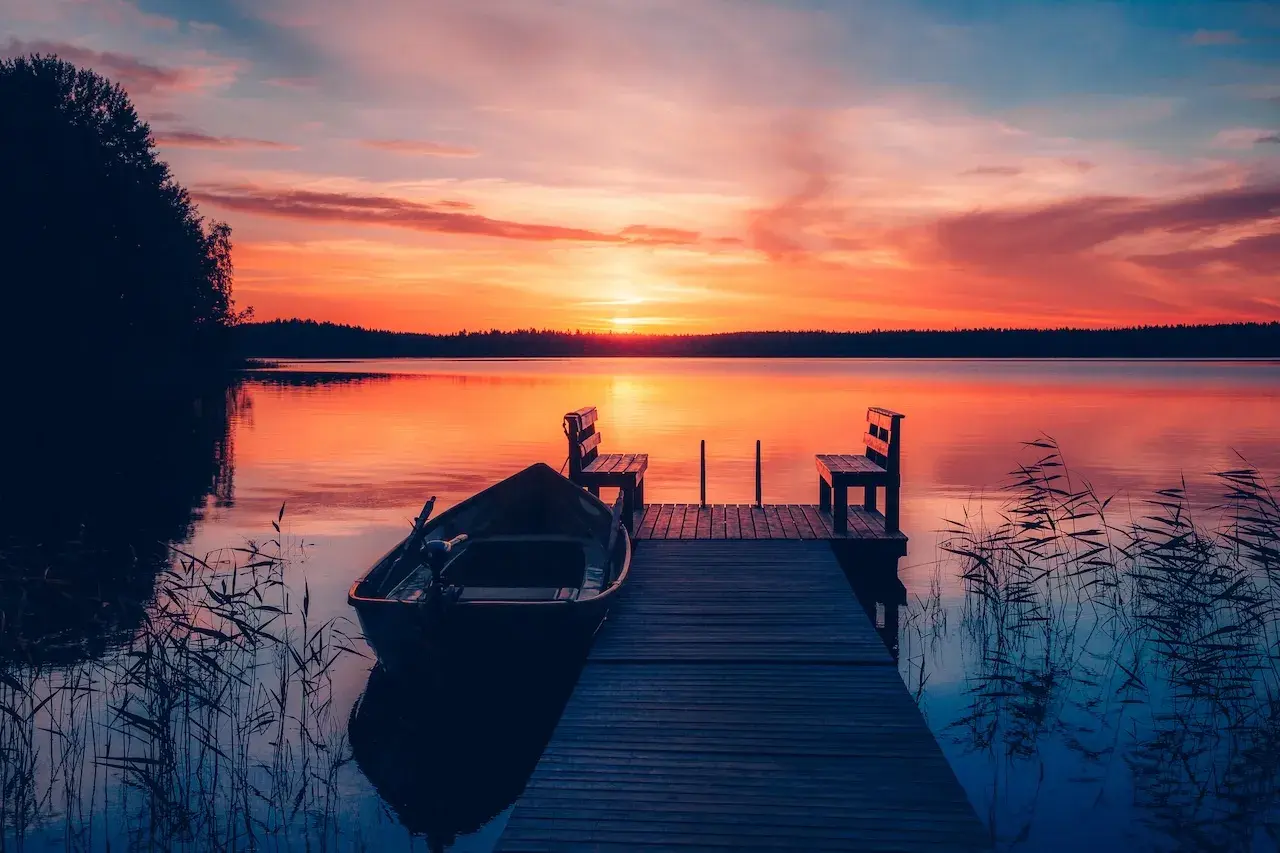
296 83
780 230
993 237
135 75
421 148
195 139
1259 254
437 218
1207 38
116 13
1000 171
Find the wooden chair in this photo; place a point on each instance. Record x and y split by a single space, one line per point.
879 466
592 469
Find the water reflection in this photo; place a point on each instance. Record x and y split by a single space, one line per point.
1069 736
872 573
1122 668
94 492
450 758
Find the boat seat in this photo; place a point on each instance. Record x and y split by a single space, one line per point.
518 593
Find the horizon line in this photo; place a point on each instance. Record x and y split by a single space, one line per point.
614 333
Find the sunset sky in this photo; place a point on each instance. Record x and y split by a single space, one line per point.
707 165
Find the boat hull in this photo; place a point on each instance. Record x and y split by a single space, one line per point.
490 612
410 639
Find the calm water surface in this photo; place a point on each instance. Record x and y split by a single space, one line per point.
351 449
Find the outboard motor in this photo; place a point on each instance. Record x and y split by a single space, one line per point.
437 552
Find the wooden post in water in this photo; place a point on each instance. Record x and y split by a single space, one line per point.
759 501
702 475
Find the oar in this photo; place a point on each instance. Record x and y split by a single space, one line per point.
421 521
411 544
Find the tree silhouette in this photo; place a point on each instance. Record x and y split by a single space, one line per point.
108 267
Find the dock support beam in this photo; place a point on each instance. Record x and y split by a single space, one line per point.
702 474
759 500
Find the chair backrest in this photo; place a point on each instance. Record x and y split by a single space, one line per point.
883 438
584 439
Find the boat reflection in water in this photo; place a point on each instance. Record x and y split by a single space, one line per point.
451 753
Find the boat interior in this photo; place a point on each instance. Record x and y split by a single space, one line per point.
534 537
516 568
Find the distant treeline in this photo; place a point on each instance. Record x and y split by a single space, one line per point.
309 339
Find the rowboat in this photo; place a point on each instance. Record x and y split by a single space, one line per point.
529 560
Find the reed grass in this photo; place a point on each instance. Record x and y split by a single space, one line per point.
1140 637
211 727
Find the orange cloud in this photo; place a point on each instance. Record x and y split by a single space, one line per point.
649 235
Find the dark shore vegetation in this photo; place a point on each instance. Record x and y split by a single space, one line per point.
111 275
309 339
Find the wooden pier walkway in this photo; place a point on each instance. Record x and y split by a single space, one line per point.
748 521
739 698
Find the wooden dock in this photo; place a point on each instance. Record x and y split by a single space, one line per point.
748 521
739 698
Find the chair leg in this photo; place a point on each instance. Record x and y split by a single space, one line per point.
840 510
628 507
824 494
594 490
891 508
869 498
640 495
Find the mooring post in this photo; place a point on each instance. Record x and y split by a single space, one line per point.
759 501
702 475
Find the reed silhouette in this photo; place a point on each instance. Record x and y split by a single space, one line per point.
1135 639
211 728
110 272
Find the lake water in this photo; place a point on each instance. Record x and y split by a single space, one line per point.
351 450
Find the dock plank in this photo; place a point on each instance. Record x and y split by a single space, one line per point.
760 522
688 522
664 521
704 523
819 521
789 529
801 522
648 521
732 522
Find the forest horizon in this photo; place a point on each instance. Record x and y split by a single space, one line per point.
296 338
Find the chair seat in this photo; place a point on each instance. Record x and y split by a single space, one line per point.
616 467
847 467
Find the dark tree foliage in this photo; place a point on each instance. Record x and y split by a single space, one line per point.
309 339
109 270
